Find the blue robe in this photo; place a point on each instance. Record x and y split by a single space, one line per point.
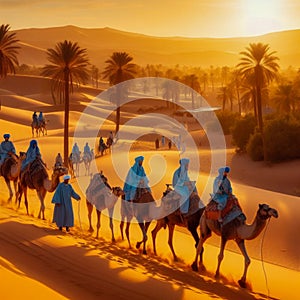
87 151
41 118
75 149
180 176
31 154
7 146
221 189
63 214
135 174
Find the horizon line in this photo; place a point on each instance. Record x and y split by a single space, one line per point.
156 36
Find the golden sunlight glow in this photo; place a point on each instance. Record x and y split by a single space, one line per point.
260 17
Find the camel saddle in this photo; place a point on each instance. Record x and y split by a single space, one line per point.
231 210
95 193
172 197
37 167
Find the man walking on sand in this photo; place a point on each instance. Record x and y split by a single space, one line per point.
63 211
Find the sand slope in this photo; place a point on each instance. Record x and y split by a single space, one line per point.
39 260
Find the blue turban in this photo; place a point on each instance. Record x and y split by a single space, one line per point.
6 135
184 161
139 158
227 169
33 142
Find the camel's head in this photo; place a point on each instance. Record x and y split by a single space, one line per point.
266 212
117 191
60 170
22 155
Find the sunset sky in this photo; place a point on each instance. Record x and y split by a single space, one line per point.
191 18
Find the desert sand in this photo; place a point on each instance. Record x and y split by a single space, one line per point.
37 260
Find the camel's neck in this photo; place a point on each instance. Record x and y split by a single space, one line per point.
251 231
16 168
50 185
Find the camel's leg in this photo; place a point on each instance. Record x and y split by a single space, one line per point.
77 169
7 181
221 256
15 182
20 192
41 194
147 224
98 222
142 226
25 196
205 233
127 232
158 227
170 240
90 210
121 227
111 225
193 230
241 245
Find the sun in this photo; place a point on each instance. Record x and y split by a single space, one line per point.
261 17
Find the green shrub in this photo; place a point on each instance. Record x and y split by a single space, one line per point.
282 138
227 120
254 147
241 131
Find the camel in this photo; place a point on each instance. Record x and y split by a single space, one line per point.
35 177
235 230
74 160
87 162
170 203
38 128
139 208
100 197
10 170
109 142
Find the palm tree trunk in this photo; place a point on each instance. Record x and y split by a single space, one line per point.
259 116
66 123
259 109
118 114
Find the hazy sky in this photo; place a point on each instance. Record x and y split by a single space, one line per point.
192 18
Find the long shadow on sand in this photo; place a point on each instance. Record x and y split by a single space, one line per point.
99 270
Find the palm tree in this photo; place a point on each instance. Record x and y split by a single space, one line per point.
68 65
260 65
118 69
193 82
226 94
285 98
8 51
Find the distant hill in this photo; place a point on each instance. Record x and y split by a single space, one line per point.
202 52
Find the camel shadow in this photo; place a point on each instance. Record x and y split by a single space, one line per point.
99 270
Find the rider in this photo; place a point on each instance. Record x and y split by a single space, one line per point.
32 153
75 151
41 119
182 185
102 145
87 151
34 117
58 161
222 190
7 148
136 177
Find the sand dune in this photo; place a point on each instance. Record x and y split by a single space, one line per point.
38 259
203 52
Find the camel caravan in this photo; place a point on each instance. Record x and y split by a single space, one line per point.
180 204
38 125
